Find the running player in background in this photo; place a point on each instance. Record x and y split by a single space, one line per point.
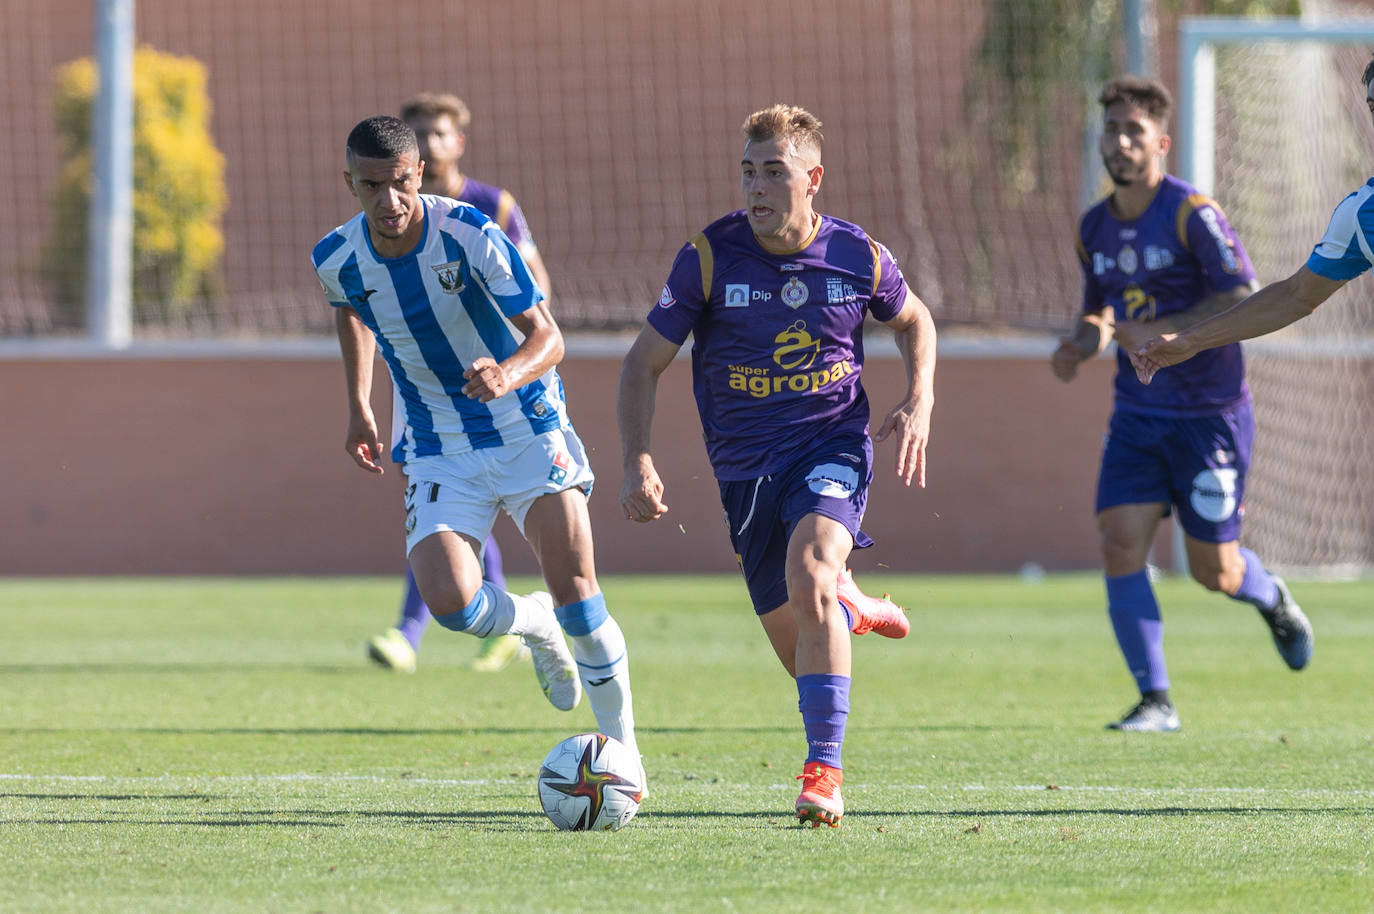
775 296
1344 252
441 122
1159 256
481 424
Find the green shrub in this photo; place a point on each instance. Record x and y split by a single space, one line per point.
178 194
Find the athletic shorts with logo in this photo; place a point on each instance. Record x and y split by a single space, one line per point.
1195 464
462 493
832 480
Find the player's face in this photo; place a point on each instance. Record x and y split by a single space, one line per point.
389 191
441 144
1133 145
778 185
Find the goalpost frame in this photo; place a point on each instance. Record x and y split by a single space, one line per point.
1198 37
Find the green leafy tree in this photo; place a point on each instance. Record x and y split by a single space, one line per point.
179 194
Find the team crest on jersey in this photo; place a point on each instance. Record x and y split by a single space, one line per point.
665 299
794 293
450 276
1127 260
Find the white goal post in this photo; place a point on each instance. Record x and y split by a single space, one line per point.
1272 123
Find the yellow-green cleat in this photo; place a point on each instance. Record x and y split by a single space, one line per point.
498 652
391 649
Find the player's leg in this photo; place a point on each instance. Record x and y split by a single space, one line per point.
559 531
1211 469
497 651
816 553
450 509
1133 493
397 647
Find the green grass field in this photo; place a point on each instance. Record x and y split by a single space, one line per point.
222 745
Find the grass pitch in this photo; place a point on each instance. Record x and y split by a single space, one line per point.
222 745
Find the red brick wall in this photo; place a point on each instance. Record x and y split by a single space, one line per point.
234 466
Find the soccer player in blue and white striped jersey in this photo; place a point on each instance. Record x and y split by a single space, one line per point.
480 423
1344 252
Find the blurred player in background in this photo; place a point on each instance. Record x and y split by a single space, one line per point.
775 296
1344 252
482 425
440 122
1159 256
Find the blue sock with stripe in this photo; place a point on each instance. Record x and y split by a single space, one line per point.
823 699
1139 629
603 665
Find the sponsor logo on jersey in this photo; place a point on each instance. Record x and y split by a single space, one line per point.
665 298
450 276
559 471
789 267
794 293
1102 263
838 292
1158 258
796 354
1225 247
737 295
1127 234
1127 260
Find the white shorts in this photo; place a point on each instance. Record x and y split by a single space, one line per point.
462 493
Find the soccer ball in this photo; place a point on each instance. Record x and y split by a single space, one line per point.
590 782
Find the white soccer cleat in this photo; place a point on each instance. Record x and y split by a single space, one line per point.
554 666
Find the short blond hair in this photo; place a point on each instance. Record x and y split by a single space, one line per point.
436 104
786 123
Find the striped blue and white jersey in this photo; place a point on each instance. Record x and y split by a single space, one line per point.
435 311
1345 250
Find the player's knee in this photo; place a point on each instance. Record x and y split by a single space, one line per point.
450 607
1217 578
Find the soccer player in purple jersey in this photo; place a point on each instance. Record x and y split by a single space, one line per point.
1344 252
1159 256
775 296
440 121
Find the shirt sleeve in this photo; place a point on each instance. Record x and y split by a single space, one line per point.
1212 240
1093 299
889 289
503 270
682 301
1344 251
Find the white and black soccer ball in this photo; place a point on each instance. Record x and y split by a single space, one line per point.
590 782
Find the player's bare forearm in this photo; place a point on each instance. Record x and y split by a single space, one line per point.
914 332
359 349
1090 336
540 350
641 495
1208 307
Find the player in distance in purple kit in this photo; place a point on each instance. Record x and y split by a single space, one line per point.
775 297
1159 256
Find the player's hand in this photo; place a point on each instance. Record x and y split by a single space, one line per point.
909 423
641 495
1131 335
362 443
487 380
1064 361
1159 352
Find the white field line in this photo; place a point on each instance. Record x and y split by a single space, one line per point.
170 780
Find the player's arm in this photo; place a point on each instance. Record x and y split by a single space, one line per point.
1271 308
530 254
1090 336
914 330
541 349
359 349
1131 335
641 495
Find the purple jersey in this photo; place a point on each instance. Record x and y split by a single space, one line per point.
1175 254
501 208
778 341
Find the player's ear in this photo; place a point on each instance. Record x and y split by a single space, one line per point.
814 175
348 180
1166 143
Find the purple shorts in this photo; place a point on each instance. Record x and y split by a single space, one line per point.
832 480
1196 465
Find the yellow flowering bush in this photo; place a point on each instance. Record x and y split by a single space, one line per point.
178 195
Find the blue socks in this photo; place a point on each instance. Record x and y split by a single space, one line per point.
1257 587
1139 629
415 614
823 699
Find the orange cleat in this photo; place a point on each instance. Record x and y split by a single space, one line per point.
871 614
820 802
